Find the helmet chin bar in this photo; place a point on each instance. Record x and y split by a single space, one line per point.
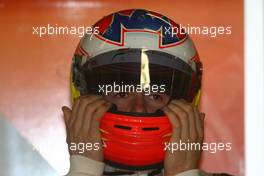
134 141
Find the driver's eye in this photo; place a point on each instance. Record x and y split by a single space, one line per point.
155 97
121 95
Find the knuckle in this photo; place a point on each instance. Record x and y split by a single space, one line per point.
171 114
85 100
185 138
175 101
183 114
201 136
176 130
88 108
193 138
189 108
79 99
168 113
76 102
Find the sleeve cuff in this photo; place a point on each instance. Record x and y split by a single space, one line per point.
193 172
83 165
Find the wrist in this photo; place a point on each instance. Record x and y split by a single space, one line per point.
93 155
178 170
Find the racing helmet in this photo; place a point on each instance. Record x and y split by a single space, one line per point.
144 49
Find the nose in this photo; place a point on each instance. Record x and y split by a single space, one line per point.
139 104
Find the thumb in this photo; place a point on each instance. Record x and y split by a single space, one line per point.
202 115
66 114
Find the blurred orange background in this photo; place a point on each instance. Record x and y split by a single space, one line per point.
35 70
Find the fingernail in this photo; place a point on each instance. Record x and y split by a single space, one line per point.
202 115
183 100
83 96
163 108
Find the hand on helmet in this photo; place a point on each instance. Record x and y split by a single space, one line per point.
188 127
82 124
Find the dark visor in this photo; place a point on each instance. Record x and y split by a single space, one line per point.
138 67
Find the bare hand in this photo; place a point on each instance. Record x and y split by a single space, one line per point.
187 127
82 124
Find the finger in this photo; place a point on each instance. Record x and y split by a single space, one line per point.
202 115
66 115
175 123
89 113
98 114
199 117
183 118
189 109
83 102
74 110
95 122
